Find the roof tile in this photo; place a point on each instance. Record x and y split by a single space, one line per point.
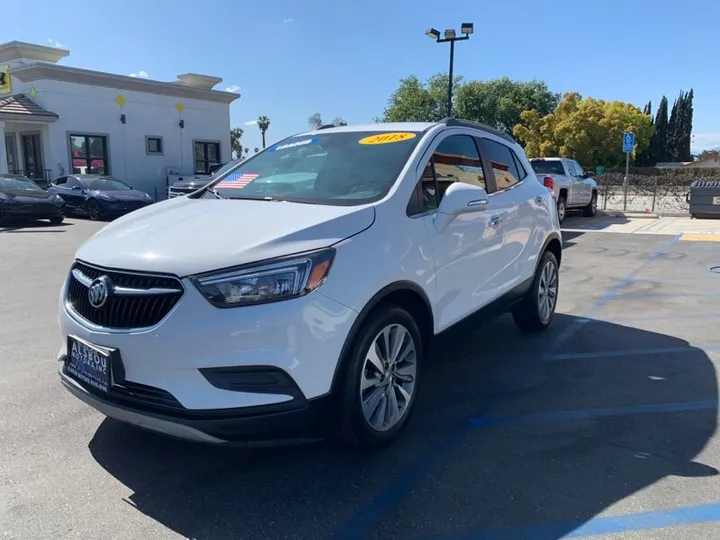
21 105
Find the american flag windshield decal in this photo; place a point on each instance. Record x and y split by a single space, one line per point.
236 180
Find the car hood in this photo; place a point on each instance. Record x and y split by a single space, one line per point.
188 236
121 194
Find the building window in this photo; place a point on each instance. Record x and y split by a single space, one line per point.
154 145
89 154
207 154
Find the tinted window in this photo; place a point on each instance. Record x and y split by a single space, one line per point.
456 159
105 184
72 182
502 163
541 166
341 168
11 183
522 173
61 181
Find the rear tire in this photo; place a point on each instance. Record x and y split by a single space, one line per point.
93 209
591 209
537 309
385 384
561 208
57 220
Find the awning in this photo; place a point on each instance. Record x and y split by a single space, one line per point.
20 108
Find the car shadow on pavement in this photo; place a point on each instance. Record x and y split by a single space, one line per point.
595 443
18 226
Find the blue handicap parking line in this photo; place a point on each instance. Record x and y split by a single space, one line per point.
643 521
556 357
583 414
673 316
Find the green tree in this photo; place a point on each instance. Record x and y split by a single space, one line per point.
706 154
658 141
339 121
644 158
236 141
263 124
415 101
586 129
499 102
684 128
671 142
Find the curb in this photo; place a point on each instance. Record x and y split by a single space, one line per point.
620 214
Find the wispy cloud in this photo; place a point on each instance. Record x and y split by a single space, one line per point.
705 141
140 74
234 88
251 123
56 44
288 21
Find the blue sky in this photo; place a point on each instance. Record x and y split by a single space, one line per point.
291 59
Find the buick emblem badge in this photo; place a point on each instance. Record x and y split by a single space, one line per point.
99 291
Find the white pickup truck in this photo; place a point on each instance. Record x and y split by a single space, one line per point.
572 186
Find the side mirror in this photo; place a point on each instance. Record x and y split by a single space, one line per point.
459 198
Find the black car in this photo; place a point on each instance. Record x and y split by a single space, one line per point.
98 197
21 198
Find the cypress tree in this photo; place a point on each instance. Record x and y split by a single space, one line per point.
685 127
671 145
658 141
644 158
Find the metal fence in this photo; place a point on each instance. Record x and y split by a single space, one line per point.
661 191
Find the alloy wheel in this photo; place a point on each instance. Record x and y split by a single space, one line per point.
388 377
547 291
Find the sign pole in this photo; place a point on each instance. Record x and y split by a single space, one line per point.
625 180
628 145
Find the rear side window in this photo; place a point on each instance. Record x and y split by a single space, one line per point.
502 163
541 166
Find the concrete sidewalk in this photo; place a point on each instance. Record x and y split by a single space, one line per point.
691 229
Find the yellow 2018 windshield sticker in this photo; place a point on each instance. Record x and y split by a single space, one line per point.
385 138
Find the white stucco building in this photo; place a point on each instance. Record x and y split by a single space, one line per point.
57 119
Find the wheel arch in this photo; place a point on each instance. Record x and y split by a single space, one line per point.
405 294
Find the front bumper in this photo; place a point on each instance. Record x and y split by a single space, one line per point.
301 420
181 375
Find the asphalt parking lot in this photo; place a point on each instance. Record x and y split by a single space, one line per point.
605 425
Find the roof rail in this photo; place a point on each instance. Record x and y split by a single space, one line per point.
325 126
455 122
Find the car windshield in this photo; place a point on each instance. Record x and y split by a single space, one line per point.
12 183
105 184
339 168
541 166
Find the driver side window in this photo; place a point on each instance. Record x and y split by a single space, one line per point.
456 159
71 183
61 181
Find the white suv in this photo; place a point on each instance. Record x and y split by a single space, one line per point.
296 295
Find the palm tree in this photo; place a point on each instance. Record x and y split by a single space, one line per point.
235 141
339 121
315 121
263 124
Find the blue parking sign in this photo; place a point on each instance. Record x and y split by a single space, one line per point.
628 142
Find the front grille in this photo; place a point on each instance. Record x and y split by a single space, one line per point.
126 311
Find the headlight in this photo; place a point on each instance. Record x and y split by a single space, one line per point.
280 279
148 197
105 197
8 200
58 200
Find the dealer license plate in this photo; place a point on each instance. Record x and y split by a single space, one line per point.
716 201
89 364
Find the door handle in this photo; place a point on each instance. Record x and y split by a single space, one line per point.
496 220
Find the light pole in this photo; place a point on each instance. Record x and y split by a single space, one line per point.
466 29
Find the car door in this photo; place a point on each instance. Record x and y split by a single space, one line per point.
581 193
467 250
512 208
74 194
586 184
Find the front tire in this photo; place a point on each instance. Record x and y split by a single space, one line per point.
93 209
380 385
56 220
537 309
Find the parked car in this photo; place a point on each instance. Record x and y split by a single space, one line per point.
21 198
257 310
573 187
98 197
193 183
